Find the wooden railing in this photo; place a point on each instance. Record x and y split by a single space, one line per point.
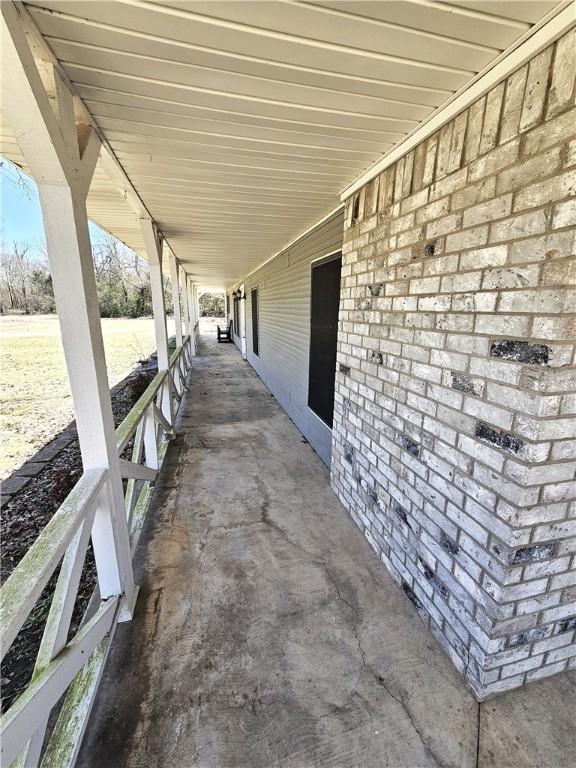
74 666
149 426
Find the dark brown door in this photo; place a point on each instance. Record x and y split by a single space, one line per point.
324 337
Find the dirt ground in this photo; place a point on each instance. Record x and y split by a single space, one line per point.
35 401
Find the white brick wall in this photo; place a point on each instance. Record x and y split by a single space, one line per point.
455 424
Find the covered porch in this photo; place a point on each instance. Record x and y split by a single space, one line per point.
268 634
385 190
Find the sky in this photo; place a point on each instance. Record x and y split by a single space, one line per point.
21 215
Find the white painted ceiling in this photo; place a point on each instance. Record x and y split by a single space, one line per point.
238 123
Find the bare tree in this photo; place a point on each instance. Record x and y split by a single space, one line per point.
15 274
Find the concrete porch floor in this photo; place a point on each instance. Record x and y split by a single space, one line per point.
268 634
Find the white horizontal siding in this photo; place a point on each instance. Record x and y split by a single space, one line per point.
284 326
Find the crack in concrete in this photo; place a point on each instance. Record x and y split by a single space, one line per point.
233 526
319 560
478 735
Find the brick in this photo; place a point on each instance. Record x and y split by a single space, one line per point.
563 75
494 209
521 666
461 282
493 256
543 248
486 412
398 179
491 119
543 192
564 214
547 671
562 272
521 351
441 265
494 161
529 636
444 141
532 223
531 554
538 301
471 238
568 625
415 201
454 426
481 301
466 384
30 469
444 225
498 437
474 193
418 171
451 183
554 328
457 142
552 132
535 92
530 170
425 285
13 485
475 121
511 277
430 160
408 444
560 654
407 175
513 100
433 210
502 325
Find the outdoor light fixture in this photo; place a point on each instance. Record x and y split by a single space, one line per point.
238 295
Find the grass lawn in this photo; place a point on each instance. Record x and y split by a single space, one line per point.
35 400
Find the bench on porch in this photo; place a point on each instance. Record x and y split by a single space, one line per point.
224 334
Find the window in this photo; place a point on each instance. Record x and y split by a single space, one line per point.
254 295
324 308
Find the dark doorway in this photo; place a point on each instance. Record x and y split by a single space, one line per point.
254 295
323 337
236 316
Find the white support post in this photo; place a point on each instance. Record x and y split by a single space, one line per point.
196 305
191 316
174 269
153 245
61 157
185 302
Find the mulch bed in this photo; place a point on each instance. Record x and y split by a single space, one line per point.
24 516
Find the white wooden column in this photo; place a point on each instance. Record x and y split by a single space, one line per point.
185 302
61 156
153 245
174 270
192 314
